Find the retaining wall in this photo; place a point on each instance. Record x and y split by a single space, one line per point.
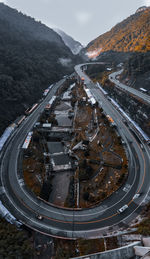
125 252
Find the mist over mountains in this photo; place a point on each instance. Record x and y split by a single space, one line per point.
127 42
32 56
74 45
130 35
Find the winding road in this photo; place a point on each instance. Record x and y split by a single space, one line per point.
72 224
131 90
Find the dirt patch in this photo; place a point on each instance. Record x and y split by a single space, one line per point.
102 160
60 185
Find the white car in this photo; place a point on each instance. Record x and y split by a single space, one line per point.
136 196
122 208
38 216
141 146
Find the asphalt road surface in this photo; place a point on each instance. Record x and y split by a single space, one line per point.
71 224
112 78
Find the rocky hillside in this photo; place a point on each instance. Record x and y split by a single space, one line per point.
131 35
136 71
32 56
74 45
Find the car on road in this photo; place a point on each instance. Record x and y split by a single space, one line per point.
136 196
38 216
141 146
122 209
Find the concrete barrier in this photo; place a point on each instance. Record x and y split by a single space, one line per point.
146 241
125 252
141 251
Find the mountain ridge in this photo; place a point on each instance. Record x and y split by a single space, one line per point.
132 34
29 25
29 62
75 46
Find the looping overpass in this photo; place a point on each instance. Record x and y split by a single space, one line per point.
72 224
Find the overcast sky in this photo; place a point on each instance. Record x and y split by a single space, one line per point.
83 19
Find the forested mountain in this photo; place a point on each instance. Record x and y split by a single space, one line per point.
131 35
74 45
25 24
32 56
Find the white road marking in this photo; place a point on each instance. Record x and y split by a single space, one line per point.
127 188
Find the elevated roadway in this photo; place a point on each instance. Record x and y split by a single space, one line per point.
131 90
72 224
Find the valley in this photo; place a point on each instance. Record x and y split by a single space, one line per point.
75 134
